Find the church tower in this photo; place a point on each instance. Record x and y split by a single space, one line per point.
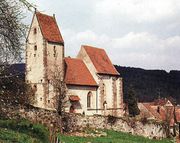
44 57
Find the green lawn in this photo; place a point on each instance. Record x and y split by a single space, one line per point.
112 137
12 131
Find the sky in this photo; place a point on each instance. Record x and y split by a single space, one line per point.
135 33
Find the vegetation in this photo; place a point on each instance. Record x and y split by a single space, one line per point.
22 132
112 137
132 103
150 84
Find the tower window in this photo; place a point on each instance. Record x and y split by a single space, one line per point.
54 51
35 47
35 30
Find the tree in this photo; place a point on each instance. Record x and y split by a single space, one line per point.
12 37
132 103
60 94
12 30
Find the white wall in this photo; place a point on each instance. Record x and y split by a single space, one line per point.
35 69
82 92
108 82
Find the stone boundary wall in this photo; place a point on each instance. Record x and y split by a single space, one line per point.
76 122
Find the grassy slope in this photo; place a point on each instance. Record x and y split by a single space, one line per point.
25 132
22 132
112 137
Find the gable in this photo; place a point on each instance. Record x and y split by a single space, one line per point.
77 73
100 60
49 28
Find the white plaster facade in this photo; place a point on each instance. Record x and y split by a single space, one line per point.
113 89
41 63
42 58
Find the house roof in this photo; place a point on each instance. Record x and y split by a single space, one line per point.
74 98
165 113
100 60
77 73
49 28
152 110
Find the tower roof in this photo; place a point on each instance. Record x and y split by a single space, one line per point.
100 60
49 28
77 73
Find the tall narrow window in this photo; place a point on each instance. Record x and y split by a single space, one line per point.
89 99
35 31
35 48
54 51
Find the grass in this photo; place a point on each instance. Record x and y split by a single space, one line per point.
22 132
12 131
112 137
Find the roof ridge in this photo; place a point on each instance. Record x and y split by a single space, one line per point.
43 14
93 47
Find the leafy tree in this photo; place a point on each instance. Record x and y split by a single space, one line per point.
132 103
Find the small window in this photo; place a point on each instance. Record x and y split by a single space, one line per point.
54 51
48 101
41 80
34 55
41 99
35 48
35 86
35 30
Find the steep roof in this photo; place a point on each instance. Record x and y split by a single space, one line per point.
100 60
77 73
49 28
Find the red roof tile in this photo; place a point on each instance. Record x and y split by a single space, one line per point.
77 73
49 28
165 113
153 111
74 98
100 60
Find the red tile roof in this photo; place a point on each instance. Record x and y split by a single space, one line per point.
100 60
153 111
74 98
165 114
49 28
77 73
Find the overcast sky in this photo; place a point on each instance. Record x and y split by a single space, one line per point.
136 33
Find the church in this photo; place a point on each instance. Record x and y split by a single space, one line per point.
93 84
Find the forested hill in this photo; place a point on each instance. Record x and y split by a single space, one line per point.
150 84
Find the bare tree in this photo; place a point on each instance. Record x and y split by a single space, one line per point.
60 95
12 30
60 91
12 39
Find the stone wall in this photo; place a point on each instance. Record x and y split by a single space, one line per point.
76 122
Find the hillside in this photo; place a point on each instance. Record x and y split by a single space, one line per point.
151 84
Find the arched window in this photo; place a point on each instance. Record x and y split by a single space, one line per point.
89 99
